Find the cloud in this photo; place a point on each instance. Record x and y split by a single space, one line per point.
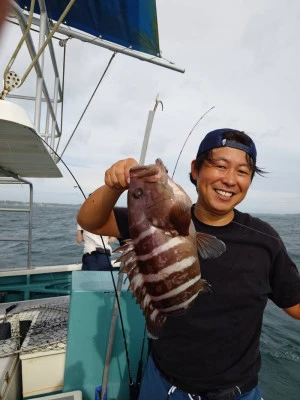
240 57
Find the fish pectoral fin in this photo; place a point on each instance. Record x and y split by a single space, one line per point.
126 256
209 246
127 246
155 325
205 287
127 252
128 267
180 217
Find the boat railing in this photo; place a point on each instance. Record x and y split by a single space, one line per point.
14 179
51 132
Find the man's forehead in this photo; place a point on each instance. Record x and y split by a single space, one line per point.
229 154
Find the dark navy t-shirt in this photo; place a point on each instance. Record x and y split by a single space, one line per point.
216 343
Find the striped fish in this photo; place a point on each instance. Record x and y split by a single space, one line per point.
161 257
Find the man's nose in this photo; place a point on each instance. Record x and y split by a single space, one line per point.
229 177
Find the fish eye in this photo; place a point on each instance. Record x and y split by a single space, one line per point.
137 193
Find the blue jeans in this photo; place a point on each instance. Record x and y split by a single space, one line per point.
155 386
96 262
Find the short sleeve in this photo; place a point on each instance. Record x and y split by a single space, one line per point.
121 215
285 280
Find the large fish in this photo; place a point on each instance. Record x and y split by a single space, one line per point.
161 257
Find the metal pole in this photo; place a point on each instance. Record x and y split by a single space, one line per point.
29 42
39 84
115 310
30 224
114 47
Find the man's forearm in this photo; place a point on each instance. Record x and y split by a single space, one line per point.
96 213
293 311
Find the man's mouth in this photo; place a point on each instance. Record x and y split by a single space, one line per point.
223 193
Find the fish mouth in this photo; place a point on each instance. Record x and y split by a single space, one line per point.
224 193
148 173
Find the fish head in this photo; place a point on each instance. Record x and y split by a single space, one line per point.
154 199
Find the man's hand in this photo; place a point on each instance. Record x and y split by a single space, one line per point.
117 176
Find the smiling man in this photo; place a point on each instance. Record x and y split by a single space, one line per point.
212 351
222 172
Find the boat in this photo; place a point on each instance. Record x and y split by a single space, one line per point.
51 344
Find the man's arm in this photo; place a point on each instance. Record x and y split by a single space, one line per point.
293 311
79 236
96 214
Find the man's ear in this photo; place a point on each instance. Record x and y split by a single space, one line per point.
194 171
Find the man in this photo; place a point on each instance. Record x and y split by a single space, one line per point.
96 251
212 351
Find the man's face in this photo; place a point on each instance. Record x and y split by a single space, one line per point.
224 182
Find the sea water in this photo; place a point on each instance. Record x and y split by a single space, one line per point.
54 242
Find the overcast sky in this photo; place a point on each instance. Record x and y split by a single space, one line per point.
242 57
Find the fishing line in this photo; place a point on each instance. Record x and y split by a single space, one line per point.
139 372
189 136
91 98
255 230
60 159
138 379
245 226
111 272
122 326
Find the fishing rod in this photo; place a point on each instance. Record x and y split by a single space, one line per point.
117 288
138 380
116 307
202 116
111 337
133 389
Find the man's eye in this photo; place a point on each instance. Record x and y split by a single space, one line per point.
243 172
137 193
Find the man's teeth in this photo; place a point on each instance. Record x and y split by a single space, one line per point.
222 193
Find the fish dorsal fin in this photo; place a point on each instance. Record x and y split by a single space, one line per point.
209 246
126 246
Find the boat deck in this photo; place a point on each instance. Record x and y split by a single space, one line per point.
38 337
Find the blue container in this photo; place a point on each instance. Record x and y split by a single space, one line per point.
91 305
